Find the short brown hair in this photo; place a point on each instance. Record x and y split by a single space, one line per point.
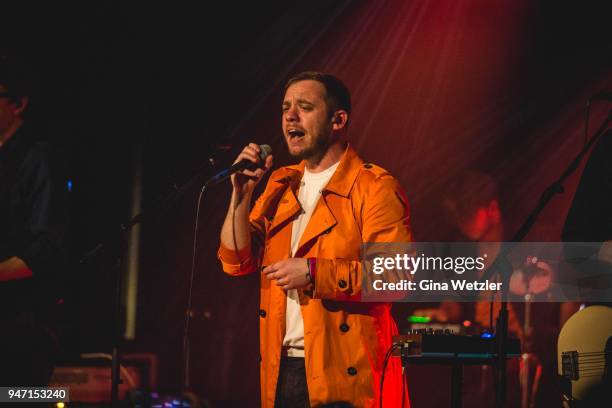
337 94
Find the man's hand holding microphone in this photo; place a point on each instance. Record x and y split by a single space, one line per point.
257 161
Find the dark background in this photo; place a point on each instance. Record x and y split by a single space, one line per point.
438 87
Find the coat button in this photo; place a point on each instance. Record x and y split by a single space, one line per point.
352 371
262 313
344 327
342 283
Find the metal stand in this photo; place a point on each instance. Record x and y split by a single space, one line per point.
500 264
456 383
531 368
456 364
160 206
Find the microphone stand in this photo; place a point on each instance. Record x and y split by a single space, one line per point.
503 267
161 205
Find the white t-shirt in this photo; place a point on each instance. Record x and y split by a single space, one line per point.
310 190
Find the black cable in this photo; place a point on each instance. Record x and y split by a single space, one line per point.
490 317
384 368
491 302
403 386
186 349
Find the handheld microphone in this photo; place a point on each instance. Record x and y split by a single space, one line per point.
265 151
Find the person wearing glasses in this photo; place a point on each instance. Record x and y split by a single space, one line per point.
33 236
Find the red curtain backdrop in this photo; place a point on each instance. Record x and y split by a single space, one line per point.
438 87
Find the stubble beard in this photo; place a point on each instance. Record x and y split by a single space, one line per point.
314 154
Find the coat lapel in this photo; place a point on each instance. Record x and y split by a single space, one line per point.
287 207
323 219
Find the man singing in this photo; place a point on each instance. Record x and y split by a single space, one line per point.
319 345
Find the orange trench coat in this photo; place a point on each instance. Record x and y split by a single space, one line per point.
345 340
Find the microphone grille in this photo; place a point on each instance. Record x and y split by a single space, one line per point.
266 150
